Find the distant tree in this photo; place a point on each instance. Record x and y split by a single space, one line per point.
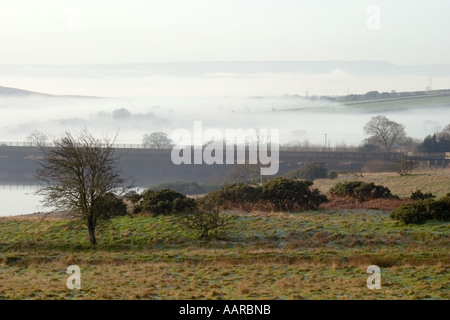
372 95
121 114
384 132
438 142
37 138
80 176
157 140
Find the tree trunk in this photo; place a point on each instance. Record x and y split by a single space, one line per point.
92 238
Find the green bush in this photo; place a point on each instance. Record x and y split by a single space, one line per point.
281 193
311 171
186 188
110 205
167 201
419 195
422 210
440 209
287 194
233 196
412 213
361 190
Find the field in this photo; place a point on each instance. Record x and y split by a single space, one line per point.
321 254
378 105
436 181
430 101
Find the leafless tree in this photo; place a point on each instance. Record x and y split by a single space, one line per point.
79 173
385 132
37 138
157 140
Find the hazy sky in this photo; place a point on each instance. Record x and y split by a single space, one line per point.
119 31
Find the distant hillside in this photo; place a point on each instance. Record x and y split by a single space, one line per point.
5 91
14 92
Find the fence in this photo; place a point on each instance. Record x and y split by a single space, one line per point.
49 144
354 150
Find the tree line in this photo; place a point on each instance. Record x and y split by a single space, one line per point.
383 135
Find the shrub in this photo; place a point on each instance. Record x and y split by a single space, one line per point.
360 190
311 171
404 167
234 196
332 175
419 195
440 209
244 173
207 224
422 210
344 189
282 194
110 205
186 188
286 194
412 213
167 201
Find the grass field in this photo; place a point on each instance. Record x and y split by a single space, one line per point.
430 101
310 255
436 181
321 254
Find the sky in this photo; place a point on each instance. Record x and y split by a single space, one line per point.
143 31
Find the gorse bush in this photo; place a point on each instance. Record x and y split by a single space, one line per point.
419 195
280 194
166 201
286 194
361 191
332 175
186 188
423 210
417 212
440 209
233 196
110 205
311 171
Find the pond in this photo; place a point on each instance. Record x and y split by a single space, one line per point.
20 199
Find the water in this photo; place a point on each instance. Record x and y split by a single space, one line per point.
20 199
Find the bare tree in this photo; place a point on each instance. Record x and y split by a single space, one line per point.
404 167
157 140
384 132
79 174
37 137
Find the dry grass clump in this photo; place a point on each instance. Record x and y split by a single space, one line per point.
335 202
